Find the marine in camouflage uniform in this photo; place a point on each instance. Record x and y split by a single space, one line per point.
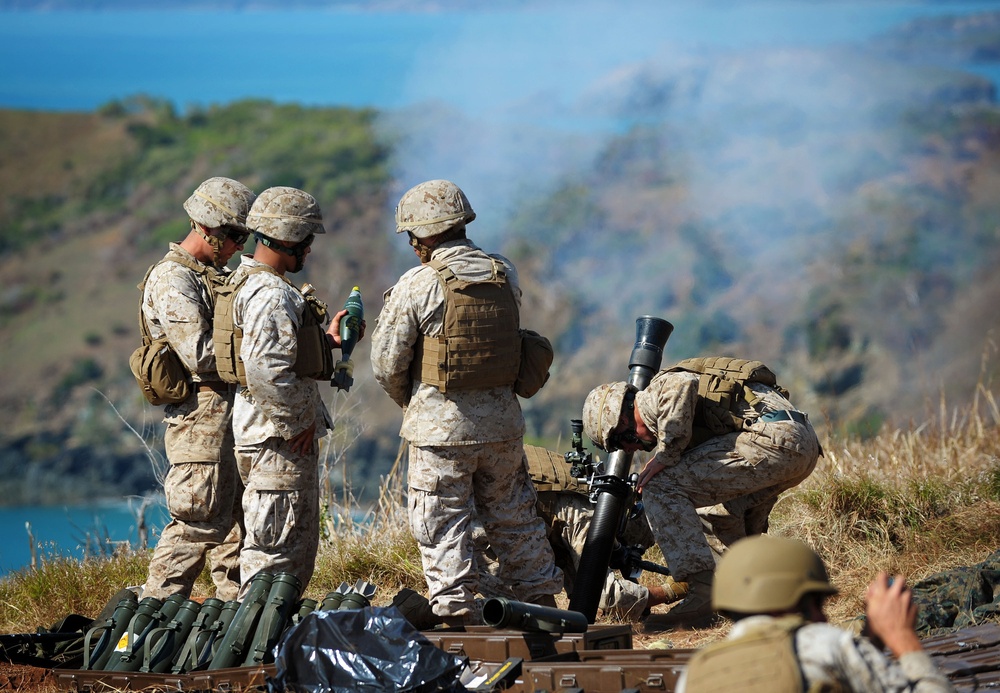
202 486
465 445
774 589
741 473
279 415
567 511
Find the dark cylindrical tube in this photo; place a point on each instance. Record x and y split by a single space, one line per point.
644 361
303 609
353 600
163 644
131 658
199 634
217 633
111 632
281 601
332 601
500 612
234 646
144 615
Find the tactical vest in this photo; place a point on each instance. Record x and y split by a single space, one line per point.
762 661
721 386
212 277
480 345
314 357
549 472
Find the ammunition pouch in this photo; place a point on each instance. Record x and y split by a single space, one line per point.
314 357
226 337
159 372
536 358
549 472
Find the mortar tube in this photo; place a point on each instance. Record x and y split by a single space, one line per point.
644 362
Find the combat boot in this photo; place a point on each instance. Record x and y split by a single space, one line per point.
695 611
416 609
667 593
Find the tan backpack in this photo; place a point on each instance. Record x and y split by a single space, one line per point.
722 384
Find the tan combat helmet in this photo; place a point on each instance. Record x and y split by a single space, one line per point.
286 214
220 202
601 411
764 574
431 208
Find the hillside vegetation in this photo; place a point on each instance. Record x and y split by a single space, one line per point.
853 253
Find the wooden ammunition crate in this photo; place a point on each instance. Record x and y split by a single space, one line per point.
235 679
608 671
486 644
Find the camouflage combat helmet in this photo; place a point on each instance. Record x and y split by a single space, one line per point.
220 202
764 574
431 208
286 214
601 411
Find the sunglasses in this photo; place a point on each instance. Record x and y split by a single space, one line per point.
236 235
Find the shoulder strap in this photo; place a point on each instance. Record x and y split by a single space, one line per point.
143 327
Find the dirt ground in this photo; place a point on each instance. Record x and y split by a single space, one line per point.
18 677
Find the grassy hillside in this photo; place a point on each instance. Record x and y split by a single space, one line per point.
855 258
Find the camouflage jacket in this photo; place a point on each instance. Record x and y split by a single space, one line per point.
414 306
177 303
275 402
840 660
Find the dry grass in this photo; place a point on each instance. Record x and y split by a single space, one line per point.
913 501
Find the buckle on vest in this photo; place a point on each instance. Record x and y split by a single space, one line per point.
785 415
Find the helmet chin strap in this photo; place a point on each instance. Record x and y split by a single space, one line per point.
298 251
214 242
424 251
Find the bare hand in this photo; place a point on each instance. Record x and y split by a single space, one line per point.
334 329
892 614
302 443
652 467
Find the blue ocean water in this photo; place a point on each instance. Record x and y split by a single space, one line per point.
76 531
477 61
